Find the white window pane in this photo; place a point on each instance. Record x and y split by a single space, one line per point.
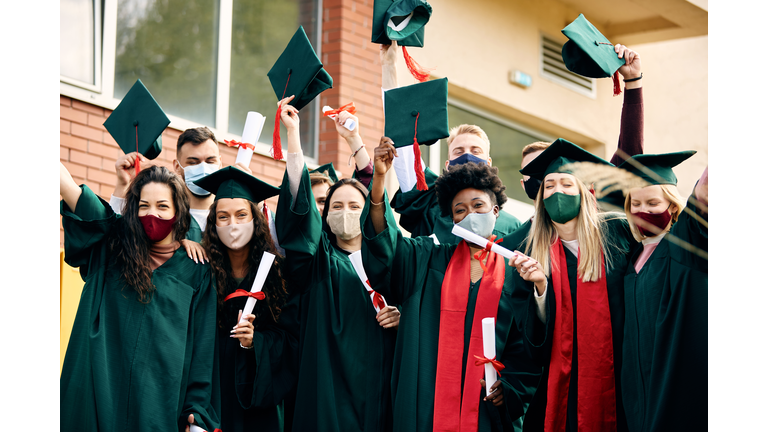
76 39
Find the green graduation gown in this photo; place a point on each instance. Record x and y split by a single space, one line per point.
133 366
417 268
664 375
539 335
195 233
345 359
420 214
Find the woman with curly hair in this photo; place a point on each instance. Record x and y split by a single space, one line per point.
347 333
254 354
571 281
143 342
446 290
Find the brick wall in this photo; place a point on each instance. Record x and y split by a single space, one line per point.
89 152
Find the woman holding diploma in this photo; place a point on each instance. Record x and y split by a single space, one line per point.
143 343
446 291
574 309
346 345
254 354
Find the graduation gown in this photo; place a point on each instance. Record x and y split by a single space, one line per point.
539 335
417 269
133 366
195 233
345 359
420 214
664 375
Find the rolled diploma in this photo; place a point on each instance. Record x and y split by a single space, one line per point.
349 124
357 263
258 282
196 428
254 123
489 351
482 242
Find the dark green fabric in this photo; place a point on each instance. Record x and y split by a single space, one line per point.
555 157
328 170
656 169
232 182
129 365
345 356
664 376
300 68
420 214
417 268
195 233
428 100
588 52
538 335
412 35
138 109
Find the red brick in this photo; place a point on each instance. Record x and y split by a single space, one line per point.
64 125
65 101
73 115
86 132
82 106
72 142
64 153
106 138
100 176
84 159
106 191
97 122
103 150
74 169
273 172
108 164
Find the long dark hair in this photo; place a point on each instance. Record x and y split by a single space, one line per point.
345 181
130 243
274 287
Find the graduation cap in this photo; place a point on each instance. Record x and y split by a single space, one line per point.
299 72
656 169
589 53
231 182
138 123
402 21
327 170
421 108
555 157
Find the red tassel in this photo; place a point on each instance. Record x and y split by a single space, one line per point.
416 70
421 182
265 209
137 164
616 84
277 148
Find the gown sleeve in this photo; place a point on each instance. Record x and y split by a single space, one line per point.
84 228
631 132
202 396
413 206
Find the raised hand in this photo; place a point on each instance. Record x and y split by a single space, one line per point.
383 156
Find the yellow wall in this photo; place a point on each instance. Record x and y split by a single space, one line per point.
71 287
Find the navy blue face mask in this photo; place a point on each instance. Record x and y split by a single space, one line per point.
467 157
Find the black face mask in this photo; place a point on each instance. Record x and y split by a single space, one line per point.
532 187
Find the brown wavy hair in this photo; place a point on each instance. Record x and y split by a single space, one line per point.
274 287
345 181
130 243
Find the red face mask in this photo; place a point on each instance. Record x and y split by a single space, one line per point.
156 228
659 220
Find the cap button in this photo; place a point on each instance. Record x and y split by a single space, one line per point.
289 71
135 122
414 113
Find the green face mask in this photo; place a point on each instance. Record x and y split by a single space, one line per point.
562 207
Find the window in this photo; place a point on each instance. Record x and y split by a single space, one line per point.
553 68
205 61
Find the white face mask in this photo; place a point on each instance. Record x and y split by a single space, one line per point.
344 223
235 236
196 172
481 224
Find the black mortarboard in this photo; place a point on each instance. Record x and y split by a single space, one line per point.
402 21
328 170
656 169
589 53
231 182
556 156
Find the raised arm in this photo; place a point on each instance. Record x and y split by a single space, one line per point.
363 168
388 58
383 156
69 190
631 132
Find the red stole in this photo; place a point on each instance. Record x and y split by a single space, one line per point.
597 392
450 413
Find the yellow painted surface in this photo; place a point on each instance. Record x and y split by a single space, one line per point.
70 288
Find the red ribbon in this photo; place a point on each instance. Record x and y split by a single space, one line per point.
350 108
376 298
242 145
243 293
495 363
480 255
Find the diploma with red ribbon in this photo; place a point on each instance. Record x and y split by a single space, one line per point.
258 283
196 428
489 354
254 123
473 238
332 113
376 298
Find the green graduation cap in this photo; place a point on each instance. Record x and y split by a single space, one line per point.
417 113
400 20
138 123
589 53
328 170
656 169
298 72
231 182
556 156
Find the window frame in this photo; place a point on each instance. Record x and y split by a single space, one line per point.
97 59
101 94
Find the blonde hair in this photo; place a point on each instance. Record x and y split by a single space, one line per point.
534 147
468 129
591 226
672 195
316 178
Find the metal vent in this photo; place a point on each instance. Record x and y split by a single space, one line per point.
552 67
